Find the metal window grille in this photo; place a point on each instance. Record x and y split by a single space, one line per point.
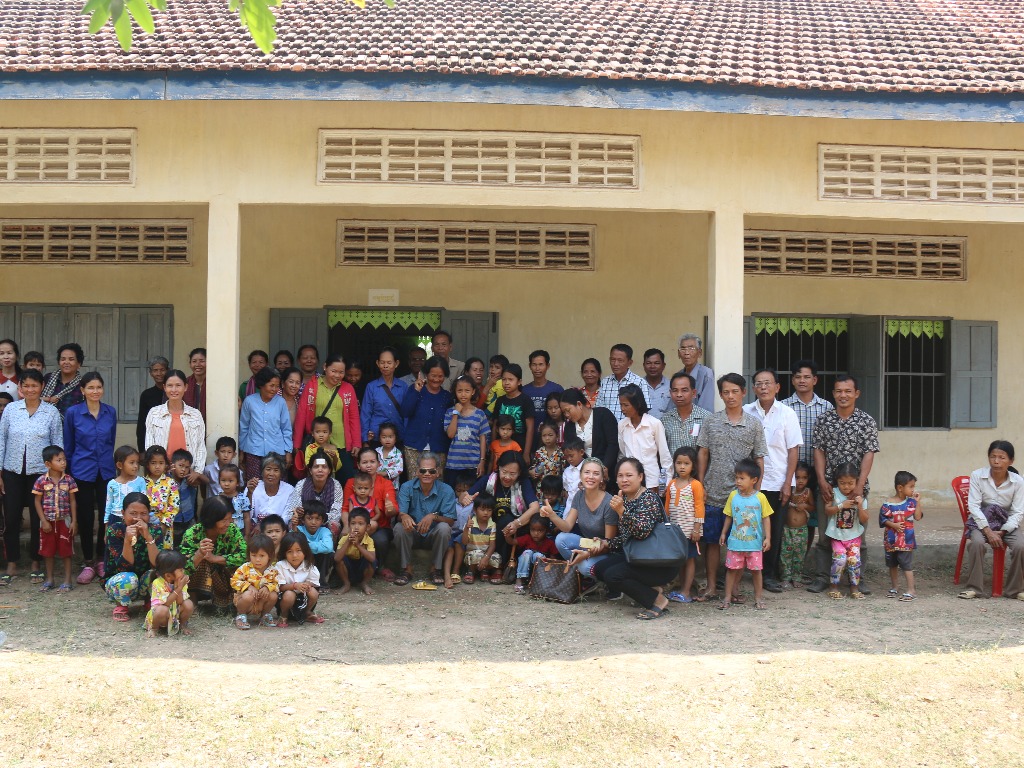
779 350
89 241
920 174
57 156
832 254
479 158
916 374
466 244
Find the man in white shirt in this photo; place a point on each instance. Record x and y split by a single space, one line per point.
620 359
784 438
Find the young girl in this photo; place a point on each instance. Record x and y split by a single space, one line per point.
504 426
517 405
169 606
127 480
162 491
392 465
255 584
231 488
469 429
684 501
554 416
794 534
298 582
549 459
846 517
896 518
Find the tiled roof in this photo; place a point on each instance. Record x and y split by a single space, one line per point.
877 45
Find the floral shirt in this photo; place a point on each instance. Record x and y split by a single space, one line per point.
638 519
116 544
547 462
163 498
158 594
246 576
391 465
845 440
230 545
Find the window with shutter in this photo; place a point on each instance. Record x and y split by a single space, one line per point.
974 352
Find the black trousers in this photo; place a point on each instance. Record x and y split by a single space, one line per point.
92 505
17 496
634 581
773 556
382 539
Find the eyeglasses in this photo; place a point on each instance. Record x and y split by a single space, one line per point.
688 349
427 471
762 384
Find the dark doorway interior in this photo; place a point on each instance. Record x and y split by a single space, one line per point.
363 343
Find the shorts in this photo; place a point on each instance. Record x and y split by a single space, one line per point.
56 543
737 561
903 560
356 569
299 609
714 521
474 556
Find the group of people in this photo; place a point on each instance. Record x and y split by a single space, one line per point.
332 472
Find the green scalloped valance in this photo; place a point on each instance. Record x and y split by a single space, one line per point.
376 318
929 328
808 325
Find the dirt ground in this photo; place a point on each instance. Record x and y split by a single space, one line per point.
478 673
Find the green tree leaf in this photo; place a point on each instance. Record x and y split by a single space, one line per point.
123 29
139 9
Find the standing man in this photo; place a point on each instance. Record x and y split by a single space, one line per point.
417 357
620 359
683 419
725 438
845 434
690 350
425 521
441 346
654 370
539 389
782 434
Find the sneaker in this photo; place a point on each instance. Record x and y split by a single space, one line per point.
817 586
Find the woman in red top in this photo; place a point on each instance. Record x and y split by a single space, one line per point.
331 396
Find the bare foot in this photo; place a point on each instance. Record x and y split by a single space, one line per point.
344 588
365 586
150 633
186 630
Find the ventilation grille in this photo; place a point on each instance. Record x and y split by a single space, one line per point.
62 156
840 254
74 241
466 244
920 174
499 159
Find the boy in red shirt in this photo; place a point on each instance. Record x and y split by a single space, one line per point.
531 546
381 502
58 514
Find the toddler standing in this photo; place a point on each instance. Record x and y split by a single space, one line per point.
684 502
746 533
392 463
846 517
795 534
58 514
127 480
896 518
549 459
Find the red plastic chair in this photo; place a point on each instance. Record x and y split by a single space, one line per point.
961 487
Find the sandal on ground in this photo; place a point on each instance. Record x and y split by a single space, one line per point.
268 620
402 579
47 586
282 623
64 588
454 578
649 614
705 597
723 605
520 589
314 618
835 594
121 613
87 575
856 594
679 597
423 585
968 594
37 577
760 605
436 578
5 580
469 578
387 574
739 600
892 593
496 578
242 621
907 597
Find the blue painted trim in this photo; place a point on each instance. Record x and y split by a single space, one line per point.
525 91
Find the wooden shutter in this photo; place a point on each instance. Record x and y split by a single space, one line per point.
291 328
749 357
973 374
7 325
95 329
143 333
866 362
474 334
42 329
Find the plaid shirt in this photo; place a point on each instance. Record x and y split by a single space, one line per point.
679 433
807 414
608 395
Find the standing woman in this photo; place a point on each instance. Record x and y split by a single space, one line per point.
291 383
10 371
195 385
152 397
590 372
264 426
258 360
90 429
308 360
26 427
175 425
423 409
331 396
382 399
596 427
63 387
641 436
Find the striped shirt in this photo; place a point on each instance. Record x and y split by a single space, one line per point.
807 414
464 451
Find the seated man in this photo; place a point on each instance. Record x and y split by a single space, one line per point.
428 512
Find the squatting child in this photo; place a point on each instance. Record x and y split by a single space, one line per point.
479 542
298 580
255 584
321 541
531 547
169 605
356 556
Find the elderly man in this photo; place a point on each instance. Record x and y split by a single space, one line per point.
690 350
426 520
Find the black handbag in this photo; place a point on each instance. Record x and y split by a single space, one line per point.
555 580
509 575
666 546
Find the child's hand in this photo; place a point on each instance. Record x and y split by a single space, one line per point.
916 496
73 529
183 582
766 545
721 540
44 526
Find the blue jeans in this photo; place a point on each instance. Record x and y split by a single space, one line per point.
525 563
566 543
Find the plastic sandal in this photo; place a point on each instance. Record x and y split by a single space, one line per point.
86 576
424 586
857 595
906 597
282 624
36 577
47 586
314 619
242 621
835 594
455 578
760 605
5 580
404 578
892 593
679 597
268 620
520 589
650 614
387 574
64 588
469 578
121 613
968 594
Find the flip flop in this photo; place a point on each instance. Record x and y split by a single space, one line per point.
5 580
455 578
857 595
404 578
36 577
835 594
649 614
436 578
892 593
424 586
760 605
679 597
906 597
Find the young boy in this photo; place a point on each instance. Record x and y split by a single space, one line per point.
896 518
359 492
539 389
551 490
463 482
188 495
322 428
516 405
531 547
492 388
574 452
321 542
35 360
58 514
746 533
385 501
794 535
356 557
479 541
272 526
225 450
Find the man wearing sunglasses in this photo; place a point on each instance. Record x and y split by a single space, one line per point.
428 513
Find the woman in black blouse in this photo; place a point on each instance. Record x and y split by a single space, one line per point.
639 510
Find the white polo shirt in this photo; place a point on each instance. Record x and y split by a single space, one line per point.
781 432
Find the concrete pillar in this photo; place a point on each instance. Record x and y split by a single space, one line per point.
223 295
725 292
